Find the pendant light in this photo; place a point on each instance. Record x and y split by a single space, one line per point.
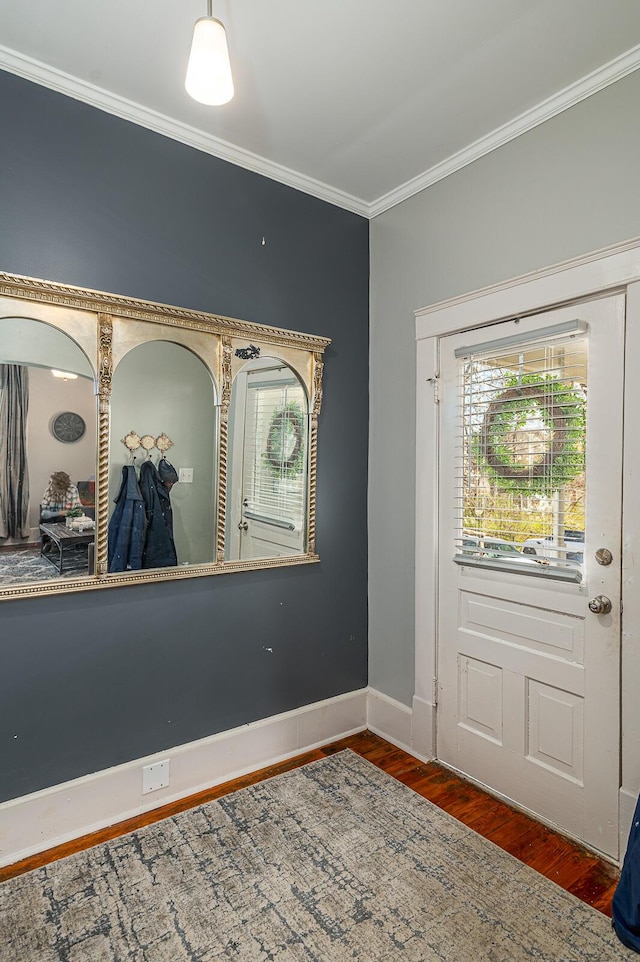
209 79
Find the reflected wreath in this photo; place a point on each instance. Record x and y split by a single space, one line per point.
285 449
561 410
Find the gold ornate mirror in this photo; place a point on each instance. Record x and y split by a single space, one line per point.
202 427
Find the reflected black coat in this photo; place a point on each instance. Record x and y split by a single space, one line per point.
159 548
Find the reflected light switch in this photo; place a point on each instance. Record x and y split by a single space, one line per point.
185 475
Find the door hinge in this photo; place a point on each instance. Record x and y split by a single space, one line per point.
435 693
434 381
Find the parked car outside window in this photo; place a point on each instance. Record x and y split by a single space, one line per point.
491 547
572 550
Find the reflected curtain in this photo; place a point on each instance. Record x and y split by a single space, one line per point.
14 475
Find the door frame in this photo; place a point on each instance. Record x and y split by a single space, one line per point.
611 269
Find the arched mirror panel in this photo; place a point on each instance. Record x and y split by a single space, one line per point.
162 460
269 463
214 419
47 451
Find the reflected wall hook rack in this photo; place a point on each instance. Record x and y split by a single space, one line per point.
132 441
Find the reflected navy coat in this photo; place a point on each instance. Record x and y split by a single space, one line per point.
159 549
128 524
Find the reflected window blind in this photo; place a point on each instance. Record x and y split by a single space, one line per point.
272 490
520 469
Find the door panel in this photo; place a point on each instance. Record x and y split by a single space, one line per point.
528 676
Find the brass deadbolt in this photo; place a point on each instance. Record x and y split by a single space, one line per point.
604 556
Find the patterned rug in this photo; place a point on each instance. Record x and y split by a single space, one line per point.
333 861
26 565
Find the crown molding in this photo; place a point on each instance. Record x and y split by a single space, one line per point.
40 73
603 77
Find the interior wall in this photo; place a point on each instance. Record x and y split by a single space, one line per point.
25 340
48 397
92 680
565 188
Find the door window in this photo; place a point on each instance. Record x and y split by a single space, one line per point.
521 463
276 449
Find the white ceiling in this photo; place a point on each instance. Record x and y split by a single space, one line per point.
360 102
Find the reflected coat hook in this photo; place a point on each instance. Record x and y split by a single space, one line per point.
132 441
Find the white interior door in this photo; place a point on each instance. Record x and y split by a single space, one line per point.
528 675
268 501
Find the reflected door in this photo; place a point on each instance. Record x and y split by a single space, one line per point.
269 469
530 490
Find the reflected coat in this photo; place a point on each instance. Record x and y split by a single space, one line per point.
128 524
159 549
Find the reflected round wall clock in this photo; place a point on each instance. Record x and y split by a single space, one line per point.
68 427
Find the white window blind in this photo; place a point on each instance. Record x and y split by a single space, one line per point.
275 460
521 456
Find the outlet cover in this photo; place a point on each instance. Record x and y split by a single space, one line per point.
155 776
185 475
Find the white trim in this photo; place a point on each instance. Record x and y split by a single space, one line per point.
406 728
58 814
423 729
389 718
426 549
630 651
601 270
55 815
627 808
616 267
608 74
38 72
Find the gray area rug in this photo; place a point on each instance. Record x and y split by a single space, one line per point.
26 565
329 862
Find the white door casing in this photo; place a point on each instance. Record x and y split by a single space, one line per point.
528 678
616 268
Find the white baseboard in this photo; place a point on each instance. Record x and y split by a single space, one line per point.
53 816
627 806
396 723
42 820
389 718
423 728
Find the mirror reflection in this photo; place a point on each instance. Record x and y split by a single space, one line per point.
162 460
143 442
47 455
268 463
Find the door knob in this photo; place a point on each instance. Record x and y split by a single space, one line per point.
600 605
243 526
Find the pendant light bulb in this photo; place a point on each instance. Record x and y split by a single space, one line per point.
209 79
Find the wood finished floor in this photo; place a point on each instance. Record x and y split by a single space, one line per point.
558 858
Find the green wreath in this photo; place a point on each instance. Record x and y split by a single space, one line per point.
562 411
285 448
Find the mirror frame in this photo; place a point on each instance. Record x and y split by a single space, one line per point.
230 343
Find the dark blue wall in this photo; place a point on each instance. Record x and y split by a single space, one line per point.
96 679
